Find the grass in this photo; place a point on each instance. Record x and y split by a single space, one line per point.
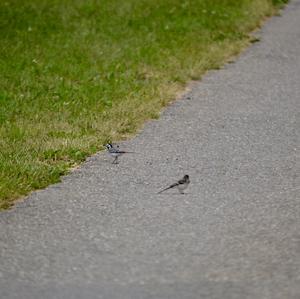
75 74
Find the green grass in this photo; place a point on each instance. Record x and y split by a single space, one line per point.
75 74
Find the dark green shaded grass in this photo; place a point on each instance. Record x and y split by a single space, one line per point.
75 74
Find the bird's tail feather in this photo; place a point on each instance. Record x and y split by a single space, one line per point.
172 186
124 152
161 191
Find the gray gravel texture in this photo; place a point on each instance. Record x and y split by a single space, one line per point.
105 233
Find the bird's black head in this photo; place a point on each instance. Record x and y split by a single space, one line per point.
108 145
186 177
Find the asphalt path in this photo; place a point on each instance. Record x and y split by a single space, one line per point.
104 232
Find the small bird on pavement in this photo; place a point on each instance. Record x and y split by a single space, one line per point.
115 152
181 184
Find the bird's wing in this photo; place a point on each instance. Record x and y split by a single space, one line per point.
181 182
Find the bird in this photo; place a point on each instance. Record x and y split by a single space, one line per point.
181 184
115 152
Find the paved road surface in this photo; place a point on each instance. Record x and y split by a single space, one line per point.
105 233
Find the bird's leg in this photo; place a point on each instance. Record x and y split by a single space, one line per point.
116 160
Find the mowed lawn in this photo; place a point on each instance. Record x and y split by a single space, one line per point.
76 74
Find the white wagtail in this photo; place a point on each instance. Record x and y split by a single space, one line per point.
181 184
115 152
